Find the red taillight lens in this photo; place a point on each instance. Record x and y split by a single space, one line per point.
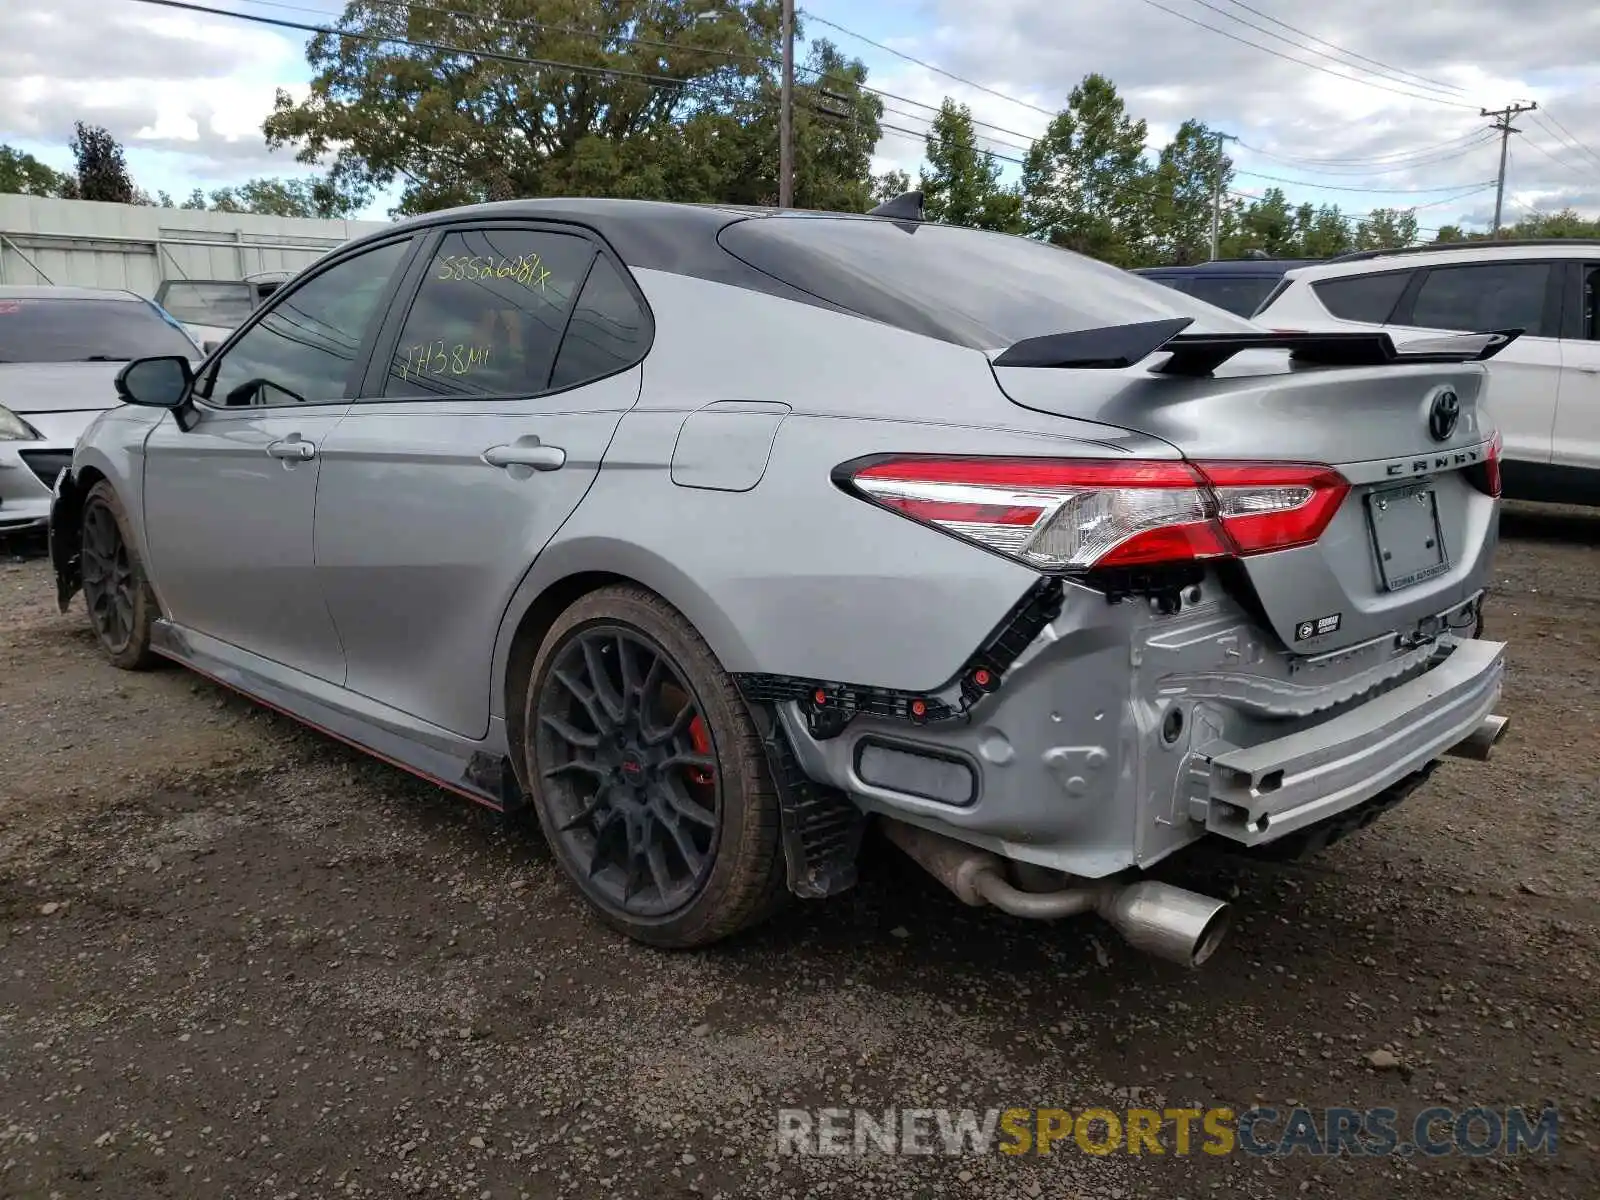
1491 466
1080 514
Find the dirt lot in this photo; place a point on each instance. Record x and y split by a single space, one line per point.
237 959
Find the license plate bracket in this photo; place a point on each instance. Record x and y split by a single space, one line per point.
1406 535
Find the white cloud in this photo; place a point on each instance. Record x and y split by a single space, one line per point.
1287 115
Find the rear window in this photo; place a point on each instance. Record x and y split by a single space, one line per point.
1369 298
1239 294
1484 296
979 289
49 330
209 303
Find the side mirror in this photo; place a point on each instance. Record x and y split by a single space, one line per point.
156 382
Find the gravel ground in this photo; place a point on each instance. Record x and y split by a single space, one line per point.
238 959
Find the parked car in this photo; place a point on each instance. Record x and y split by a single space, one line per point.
708 532
1546 384
211 309
1236 284
60 351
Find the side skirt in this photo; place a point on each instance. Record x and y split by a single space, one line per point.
472 769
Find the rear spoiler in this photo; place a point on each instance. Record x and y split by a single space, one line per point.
1118 346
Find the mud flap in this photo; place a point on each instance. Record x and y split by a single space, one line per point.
822 827
66 537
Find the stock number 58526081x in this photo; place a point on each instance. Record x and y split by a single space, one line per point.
524 269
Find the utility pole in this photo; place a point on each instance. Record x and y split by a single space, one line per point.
1216 195
786 113
1504 126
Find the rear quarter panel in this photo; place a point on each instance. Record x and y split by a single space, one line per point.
792 576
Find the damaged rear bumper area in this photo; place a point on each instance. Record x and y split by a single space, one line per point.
1263 792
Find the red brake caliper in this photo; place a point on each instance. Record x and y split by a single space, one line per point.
700 738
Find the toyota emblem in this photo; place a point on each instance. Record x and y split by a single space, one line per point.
1443 414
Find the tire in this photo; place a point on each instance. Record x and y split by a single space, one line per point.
626 816
116 592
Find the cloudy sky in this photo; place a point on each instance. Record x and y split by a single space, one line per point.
1381 109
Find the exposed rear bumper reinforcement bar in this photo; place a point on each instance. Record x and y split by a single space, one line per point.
1171 923
1262 792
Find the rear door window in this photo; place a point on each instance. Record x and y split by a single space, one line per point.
1481 296
208 302
1368 298
489 314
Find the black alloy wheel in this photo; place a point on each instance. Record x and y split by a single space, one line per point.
647 773
630 771
122 608
108 585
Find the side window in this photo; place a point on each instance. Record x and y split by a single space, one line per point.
303 349
1591 301
1484 296
608 331
489 314
1369 298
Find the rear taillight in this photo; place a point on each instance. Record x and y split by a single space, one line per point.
1487 477
1078 515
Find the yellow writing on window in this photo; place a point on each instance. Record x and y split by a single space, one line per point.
526 269
435 359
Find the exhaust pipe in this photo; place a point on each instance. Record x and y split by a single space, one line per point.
1169 922
1478 744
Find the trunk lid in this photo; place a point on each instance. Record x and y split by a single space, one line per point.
1412 542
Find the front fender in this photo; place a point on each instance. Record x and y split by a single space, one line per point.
66 537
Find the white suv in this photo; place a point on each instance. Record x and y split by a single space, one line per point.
1545 386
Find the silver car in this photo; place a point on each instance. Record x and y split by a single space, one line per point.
715 535
60 351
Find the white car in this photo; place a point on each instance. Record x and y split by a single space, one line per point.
60 351
1545 386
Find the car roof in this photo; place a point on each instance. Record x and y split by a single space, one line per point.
52 292
1232 266
1411 258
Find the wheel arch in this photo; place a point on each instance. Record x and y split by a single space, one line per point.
559 578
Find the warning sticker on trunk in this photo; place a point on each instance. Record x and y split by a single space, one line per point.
1306 630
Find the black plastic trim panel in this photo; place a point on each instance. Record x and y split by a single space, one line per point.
830 705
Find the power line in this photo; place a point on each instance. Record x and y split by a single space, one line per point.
1585 169
603 36
937 70
1302 62
1437 83
1330 187
1484 137
1371 159
493 55
1575 142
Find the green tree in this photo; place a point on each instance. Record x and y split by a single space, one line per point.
1323 231
22 174
961 183
1186 173
1085 183
313 197
457 128
889 185
1386 229
102 169
1266 224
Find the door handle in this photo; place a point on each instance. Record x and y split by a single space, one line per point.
292 449
540 458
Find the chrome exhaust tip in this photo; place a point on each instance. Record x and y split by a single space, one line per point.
1169 922
1480 743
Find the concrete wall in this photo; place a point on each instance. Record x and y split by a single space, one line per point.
85 243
